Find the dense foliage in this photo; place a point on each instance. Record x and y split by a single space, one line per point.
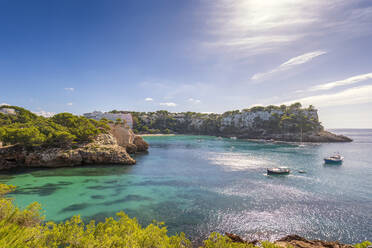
25 228
26 128
292 118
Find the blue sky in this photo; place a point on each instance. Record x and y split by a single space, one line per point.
204 56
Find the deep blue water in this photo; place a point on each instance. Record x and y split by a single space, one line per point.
200 184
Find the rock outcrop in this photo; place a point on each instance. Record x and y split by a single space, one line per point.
141 145
125 137
294 241
104 150
110 148
300 242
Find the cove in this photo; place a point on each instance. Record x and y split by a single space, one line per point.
200 184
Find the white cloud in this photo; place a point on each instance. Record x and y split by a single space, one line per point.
69 104
149 99
70 89
242 28
44 113
195 101
347 81
4 104
293 62
356 95
168 104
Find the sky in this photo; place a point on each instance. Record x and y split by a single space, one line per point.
204 56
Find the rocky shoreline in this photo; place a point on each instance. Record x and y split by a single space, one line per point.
294 241
111 148
319 137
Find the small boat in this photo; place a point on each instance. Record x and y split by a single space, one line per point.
335 159
233 138
278 171
301 171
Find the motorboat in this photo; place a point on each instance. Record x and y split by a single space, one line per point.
278 171
335 159
233 138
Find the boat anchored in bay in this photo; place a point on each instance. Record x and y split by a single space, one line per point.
278 171
335 159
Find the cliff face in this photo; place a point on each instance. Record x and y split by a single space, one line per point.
285 123
106 149
125 137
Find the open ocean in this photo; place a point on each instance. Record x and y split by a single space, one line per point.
201 184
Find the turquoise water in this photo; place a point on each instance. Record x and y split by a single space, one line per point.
200 184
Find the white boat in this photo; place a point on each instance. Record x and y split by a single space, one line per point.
335 159
233 138
278 171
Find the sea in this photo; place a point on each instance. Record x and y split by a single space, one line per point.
203 184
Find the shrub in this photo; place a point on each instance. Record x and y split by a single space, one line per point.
27 129
363 244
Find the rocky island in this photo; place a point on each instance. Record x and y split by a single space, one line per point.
28 140
291 123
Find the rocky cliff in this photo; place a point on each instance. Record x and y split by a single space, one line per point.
109 148
285 123
125 137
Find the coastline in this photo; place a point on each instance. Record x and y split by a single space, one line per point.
326 137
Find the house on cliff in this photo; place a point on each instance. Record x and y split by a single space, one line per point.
7 111
98 115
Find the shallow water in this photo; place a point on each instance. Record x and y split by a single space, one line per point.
200 184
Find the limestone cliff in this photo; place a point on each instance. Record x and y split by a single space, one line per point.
285 123
104 150
125 137
110 148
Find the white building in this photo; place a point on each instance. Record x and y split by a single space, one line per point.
5 110
98 115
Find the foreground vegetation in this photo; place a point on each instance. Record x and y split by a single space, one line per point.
28 129
26 228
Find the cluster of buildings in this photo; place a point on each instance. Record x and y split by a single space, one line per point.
98 115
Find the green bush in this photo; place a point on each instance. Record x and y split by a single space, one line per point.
363 244
28 129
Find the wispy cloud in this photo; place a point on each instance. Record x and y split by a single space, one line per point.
168 104
44 113
70 89
194 101
149 99
356 95
293 62
248 27
347 81
69 104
